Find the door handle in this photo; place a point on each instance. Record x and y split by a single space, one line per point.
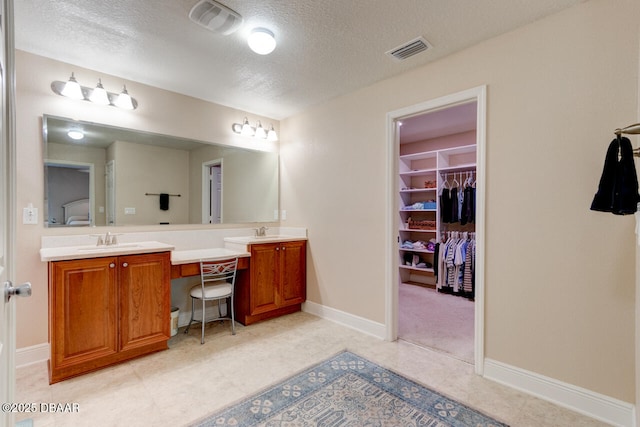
23 290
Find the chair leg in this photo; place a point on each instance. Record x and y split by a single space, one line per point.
203 318
190 320
233 320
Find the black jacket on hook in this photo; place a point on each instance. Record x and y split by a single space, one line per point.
618 188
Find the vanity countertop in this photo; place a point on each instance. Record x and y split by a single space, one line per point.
253 240
210 254
93 251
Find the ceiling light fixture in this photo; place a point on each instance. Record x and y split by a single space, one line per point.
245 129
98 95
261 41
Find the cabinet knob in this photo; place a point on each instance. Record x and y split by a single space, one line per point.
125 264
283 248
112 265
277 249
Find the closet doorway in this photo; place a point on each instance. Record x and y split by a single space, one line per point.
435 286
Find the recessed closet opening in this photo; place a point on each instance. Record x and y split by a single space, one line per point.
438 223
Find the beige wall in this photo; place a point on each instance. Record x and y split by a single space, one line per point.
159 111
169 169
560 283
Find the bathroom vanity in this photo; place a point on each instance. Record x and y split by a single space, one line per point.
276 283
111 303
105 308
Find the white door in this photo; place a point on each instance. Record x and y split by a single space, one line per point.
212 192
7 212
216 193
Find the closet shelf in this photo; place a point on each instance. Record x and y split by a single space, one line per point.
418 210
418 190
418 251
458 168
425 270
418 172
416 230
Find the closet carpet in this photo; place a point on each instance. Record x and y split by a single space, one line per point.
435 320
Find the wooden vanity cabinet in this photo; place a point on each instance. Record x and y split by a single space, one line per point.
275 284
106 310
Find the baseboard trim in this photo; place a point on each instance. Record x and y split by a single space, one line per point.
35 354
358 323
587 402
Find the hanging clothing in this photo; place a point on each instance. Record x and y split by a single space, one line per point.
618 189
445 205
454 205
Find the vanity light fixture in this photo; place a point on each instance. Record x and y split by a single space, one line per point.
261 41
260 132
72 89
124 100
98 95
272 135
245 129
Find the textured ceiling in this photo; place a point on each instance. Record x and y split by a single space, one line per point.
325 47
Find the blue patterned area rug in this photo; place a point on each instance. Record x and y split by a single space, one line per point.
348 391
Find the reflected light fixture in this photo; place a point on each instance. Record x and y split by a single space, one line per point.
261 41
75 134
98 95
245 129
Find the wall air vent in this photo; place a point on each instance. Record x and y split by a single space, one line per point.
215 17
409 49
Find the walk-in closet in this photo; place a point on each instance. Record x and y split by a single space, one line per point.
436 229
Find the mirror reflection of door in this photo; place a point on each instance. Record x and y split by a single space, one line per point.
110 192
69 189
212 192
215 192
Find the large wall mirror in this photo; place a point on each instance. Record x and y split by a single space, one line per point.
117 176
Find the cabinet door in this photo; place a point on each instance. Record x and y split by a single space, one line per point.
264 277
145 297
293 284
83 310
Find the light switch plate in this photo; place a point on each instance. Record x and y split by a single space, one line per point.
30 215
283 215
129 211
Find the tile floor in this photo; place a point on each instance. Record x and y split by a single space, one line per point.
188 381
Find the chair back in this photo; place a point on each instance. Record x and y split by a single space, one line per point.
216 271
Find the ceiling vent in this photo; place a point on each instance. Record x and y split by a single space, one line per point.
409 49
215 17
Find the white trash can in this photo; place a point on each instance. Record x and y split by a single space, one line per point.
175 313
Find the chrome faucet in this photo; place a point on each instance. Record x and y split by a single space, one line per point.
262 231
107 240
